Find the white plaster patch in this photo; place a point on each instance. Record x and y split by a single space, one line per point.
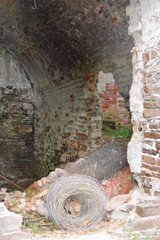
103 79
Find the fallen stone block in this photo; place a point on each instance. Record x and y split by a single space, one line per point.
148 210
9 221
117 201
142 224
157 193
119 215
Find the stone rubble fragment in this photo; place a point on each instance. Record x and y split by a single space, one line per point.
117 201
9 221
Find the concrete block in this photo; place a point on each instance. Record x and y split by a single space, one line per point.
9 221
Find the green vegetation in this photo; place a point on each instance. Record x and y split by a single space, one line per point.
118 131
134 237
38 224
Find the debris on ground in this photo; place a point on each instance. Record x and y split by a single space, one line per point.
32 203
76 202
132 219
121 183
102 163
9 221
124 209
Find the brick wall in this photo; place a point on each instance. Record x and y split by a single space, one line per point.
144 148
112 103
16 122
71 118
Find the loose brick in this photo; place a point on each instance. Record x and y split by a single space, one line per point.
144 224
148 210
145 57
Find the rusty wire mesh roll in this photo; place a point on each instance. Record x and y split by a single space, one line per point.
76 202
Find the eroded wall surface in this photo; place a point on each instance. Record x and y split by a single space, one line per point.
114 111
144 148
62 45
16 121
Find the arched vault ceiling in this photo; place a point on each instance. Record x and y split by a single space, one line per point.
66 32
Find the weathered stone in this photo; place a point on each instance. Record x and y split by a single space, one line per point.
157 193
117 201
22 235
9 222
148 226
103 163
148 210
143 224
119 215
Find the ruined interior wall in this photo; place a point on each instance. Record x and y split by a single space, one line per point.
114 112
61 56
71 117
144 148
16 121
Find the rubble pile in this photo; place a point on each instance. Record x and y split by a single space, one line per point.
128 215
76 202
33 199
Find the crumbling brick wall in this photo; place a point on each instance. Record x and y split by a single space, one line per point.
113 107
144 148
16 122
71 118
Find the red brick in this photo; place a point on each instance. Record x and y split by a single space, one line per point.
152 135
145 58
148 105
154 126
150 113
148 159
153 168
148 173
81 135
158 146
34 186
150 151
157 163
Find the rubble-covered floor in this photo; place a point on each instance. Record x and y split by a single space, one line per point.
123 222
130 212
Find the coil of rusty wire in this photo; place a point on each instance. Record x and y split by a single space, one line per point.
76 202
